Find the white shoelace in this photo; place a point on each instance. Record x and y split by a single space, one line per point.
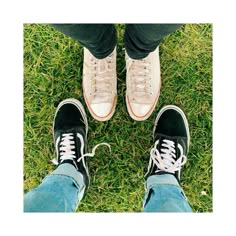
166 160
139 72
67 148
102 73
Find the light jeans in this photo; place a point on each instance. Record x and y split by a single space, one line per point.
164 194
62 191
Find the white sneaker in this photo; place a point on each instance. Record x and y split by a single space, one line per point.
99 85
143 83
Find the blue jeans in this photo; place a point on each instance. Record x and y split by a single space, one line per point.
62 191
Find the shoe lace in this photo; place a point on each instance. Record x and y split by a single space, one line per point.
139 72
166 159
101 78
67 148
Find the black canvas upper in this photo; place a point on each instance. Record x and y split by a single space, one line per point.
69 120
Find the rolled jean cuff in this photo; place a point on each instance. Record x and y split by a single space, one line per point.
70 171
161 179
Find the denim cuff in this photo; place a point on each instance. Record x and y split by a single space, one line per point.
161 179
70 171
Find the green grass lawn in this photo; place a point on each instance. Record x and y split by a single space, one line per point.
53 71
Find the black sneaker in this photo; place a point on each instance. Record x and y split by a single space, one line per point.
172 138
70 130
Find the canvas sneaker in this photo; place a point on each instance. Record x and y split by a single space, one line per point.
100 85
70 129
171 142
143 82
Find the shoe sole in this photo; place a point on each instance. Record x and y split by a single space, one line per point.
79 105
173 107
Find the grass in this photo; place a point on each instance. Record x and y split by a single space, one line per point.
53 71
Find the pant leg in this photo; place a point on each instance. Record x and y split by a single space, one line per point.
141 39
60 191
163 194
99 39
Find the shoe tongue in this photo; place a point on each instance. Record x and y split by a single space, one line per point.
161 148
102 68
77 132
176 139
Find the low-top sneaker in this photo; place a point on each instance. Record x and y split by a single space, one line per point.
100 85
70 129
171 142
143 82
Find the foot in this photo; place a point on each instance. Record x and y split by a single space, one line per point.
143 83
171 138
70 136
70 129
100 85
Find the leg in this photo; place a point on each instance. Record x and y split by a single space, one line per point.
169 154
99 39
164 194
59 192
99 68
141 39
143 77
